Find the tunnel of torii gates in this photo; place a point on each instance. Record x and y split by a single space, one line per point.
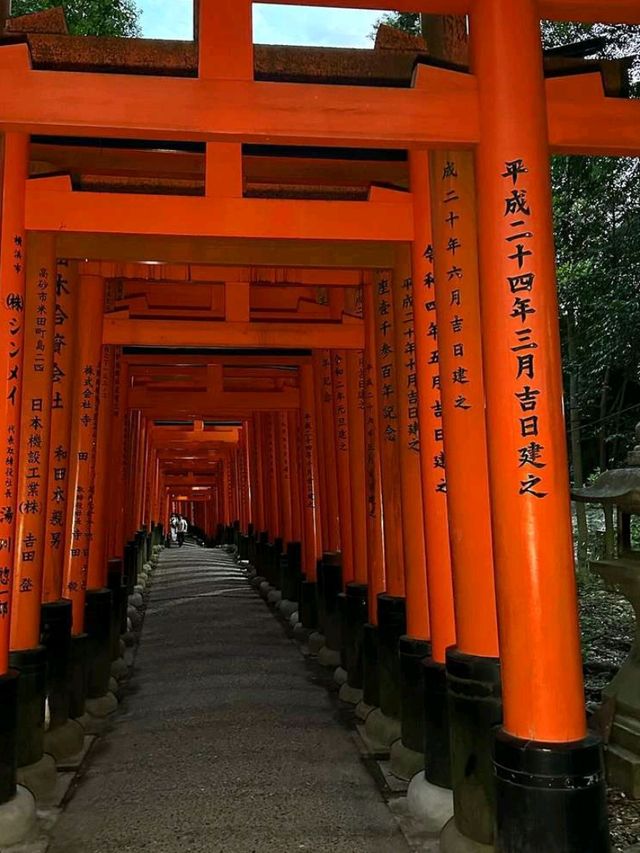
270 288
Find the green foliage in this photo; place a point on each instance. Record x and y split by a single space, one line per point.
90 17
406 21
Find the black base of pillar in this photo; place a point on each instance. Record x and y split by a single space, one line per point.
130 578
330 587
32 691
412 653
118 605
475 709
437 758
97 615
78 676
55 636
291 576
308 605
551 797
355 615
8 734
392 624
370 666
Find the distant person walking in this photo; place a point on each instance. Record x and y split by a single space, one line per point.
183 529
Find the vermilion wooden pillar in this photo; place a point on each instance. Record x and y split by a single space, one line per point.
14 162
296 475
59 450
322 362
312 540
104 470
31 544
376 580
388 430
256 438
355 391
283 452
343 473
408 432
543 744
82 459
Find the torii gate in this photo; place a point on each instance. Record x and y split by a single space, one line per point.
548 769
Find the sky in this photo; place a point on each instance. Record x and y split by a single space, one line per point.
272 24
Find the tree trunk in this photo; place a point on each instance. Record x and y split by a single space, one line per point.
602 430
575 443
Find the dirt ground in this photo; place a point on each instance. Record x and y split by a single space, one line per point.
608 625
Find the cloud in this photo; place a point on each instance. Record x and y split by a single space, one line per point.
303 25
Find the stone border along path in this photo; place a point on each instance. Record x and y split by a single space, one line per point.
224 742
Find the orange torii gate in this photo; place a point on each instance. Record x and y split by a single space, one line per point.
547 769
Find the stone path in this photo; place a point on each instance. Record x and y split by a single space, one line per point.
224 743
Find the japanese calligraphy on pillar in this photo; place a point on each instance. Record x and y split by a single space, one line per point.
308 439
432 368
408 369
340 396
386 357
522 291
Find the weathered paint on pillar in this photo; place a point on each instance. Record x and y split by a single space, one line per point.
535 578
283 451
376 579
296 476
415 569
388 431
37 375
83 432
432 461
343 478
14 165
357 461
311 508
457 295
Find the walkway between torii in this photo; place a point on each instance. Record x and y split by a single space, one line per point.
223 742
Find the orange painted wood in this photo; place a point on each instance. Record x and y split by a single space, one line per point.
104 473
192 216
376 566
139 107
457 296
388 398
14 165
355 382
283 451
343 468
184 333
537 607
439 581
312 540
295 458
327 456
32 480
83 431
61 409
408 431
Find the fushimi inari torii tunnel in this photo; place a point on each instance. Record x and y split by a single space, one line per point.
306 300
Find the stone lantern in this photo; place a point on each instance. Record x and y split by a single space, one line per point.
621 571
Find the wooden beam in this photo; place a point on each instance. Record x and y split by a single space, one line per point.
195 334
181 216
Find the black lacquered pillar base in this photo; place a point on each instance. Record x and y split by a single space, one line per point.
8 734
475 710
32 691
550 797
78 676
354 608
392 624
118 605
290 572
55 635
98 628
437 756
308 605
370 666
330 587
412 654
